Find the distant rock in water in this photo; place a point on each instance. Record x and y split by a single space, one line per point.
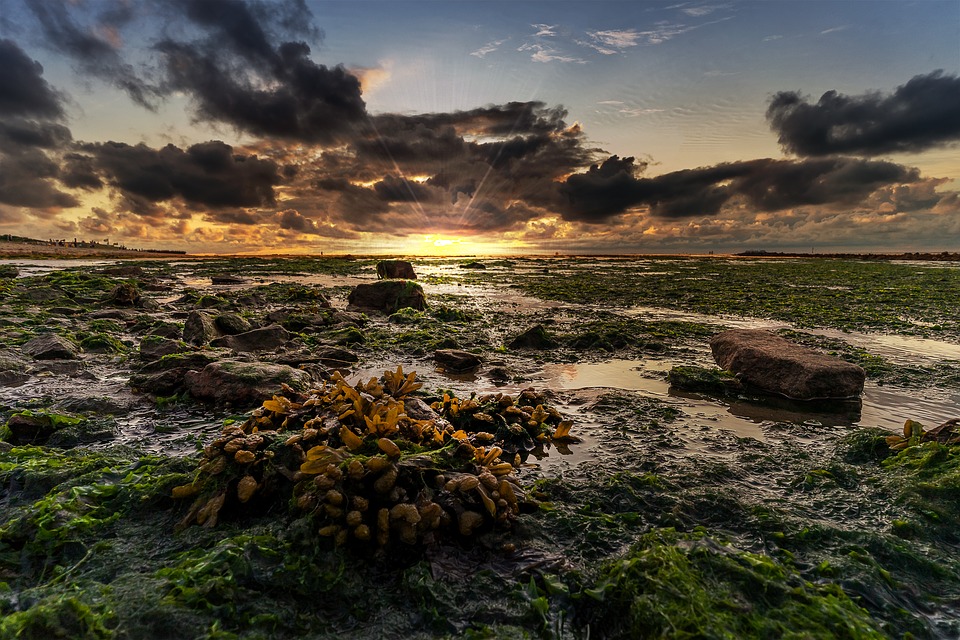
388 296
776 365
224 279
473 265
395 269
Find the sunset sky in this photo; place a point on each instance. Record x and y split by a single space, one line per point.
482 127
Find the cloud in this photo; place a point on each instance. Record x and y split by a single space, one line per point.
612 41
543 53
31 134
613 188
488 48
544 30
238 76
25 92
208 175
94 47
922 114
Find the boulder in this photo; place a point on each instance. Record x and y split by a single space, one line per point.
264 339
232 323
473 265
125 294
13 371
456 361
200 327
155 347
535 337
388 296
395 269
243 383
50 346
124 271
773 364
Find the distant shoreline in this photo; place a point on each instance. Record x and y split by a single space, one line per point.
25 250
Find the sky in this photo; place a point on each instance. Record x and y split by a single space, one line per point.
482 127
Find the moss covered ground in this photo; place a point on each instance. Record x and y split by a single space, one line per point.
662 526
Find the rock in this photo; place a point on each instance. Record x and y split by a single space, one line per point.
388 296
125 294
776 365
224 279
456 361
50 346
126 315
395 269
417 409
231 324
945 433
473 265
13 371
200 328
38 428
155 347
171 331
714 381
243 383
334 357
265 339
9 271
500 374
45 294
124 271
535 337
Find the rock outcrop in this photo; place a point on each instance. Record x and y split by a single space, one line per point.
456 361
395 269
773 364
264 339
388 296
50 346
243 383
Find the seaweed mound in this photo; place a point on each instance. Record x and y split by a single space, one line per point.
365 469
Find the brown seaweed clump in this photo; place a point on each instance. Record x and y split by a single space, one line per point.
371 465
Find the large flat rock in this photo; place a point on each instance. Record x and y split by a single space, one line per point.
776 365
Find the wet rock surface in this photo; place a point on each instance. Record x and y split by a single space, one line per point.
456 360
50 346
395 269
388 296
776 365
243 384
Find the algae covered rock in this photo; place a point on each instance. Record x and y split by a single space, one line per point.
536 337
776 365
700 379
243 383
388 296
50 346
200 328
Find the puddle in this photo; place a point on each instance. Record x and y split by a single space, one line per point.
903 350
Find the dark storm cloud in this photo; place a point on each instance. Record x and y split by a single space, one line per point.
23 91
512 118
238 76
612 188
92 51
393 189
922 114
208 175
30 134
